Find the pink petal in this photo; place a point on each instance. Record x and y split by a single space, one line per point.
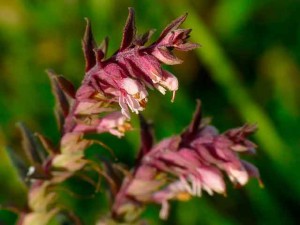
212 178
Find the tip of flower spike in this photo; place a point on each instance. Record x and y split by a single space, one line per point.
88 45
172 26
129 30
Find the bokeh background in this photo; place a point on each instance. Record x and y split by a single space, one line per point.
247 70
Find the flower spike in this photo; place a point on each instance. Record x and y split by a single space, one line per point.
125 77
183 166
177 168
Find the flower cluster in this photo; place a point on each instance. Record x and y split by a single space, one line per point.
176 168
125 77
185 165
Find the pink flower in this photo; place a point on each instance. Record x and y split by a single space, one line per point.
183 166
176 168
134 96
114 123
125 76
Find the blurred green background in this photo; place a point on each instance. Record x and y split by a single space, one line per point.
247 70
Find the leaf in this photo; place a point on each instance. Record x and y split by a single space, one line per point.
129 31
62 102
29 144
59 119
47 144
66 85
194 125
88 46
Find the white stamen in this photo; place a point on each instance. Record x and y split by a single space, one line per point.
163 214
160 89
124 107
194 185
208 190
133 104
156 77
186 185
199 192
31 171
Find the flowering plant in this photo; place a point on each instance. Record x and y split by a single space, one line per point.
176 168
